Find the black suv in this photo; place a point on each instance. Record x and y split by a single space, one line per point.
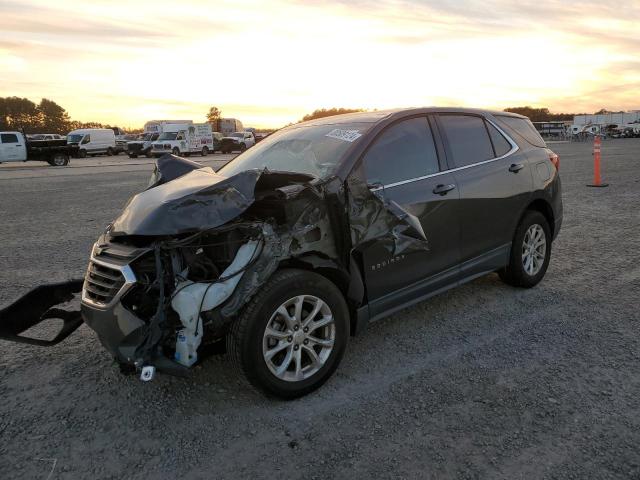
319 229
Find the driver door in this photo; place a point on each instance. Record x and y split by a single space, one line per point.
403 165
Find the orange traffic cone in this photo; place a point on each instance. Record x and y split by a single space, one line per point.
597 181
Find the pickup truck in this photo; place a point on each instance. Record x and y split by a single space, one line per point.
14 147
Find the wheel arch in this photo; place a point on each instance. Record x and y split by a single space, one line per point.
329 269
544 207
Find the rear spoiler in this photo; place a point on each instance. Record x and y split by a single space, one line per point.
37 306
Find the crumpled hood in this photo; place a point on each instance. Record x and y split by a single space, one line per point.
199 200
183 199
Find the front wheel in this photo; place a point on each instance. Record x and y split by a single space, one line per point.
204 152
176 151
133 155
109 152
243 147
530 252
82 153
291 336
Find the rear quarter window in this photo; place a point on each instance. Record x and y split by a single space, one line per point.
500 144
524 128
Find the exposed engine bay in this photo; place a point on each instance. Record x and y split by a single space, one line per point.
168 277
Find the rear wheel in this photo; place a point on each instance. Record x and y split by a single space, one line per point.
530 252
291 336
133 155
59 160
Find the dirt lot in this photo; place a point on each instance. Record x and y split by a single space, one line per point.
485 381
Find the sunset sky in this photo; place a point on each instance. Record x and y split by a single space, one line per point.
270 62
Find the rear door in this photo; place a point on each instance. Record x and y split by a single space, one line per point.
494 185
12 148
402 166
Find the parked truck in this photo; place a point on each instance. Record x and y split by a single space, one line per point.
184 139
229 125
152 130
14 147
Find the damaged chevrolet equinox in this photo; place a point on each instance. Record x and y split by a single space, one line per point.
304 239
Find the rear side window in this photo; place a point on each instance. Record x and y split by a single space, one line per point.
404 151
9 138
468 139
524 128
500 144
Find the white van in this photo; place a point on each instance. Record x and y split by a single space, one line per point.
93 141
184 139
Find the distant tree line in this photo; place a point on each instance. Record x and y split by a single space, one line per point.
544 115
45 117
328 112
534 114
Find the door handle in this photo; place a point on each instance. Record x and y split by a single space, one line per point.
443 189
516 167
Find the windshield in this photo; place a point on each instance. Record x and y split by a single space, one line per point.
237 134
314 150
149 137
168 136
74 138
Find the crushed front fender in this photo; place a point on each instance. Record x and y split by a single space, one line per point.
37 306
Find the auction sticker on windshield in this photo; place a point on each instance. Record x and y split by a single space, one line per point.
346 135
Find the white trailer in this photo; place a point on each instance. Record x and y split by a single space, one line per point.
184 139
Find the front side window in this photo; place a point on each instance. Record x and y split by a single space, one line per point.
86 139
9 138
168 136
468 139
404 151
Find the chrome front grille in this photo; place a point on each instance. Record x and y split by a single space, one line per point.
102 283
109 275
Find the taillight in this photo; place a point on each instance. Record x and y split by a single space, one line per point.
555 159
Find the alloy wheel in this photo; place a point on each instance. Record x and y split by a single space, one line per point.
534 249
299 338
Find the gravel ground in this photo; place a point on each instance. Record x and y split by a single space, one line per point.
484 381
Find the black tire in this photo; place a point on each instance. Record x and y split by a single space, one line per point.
176 151
133 155
204 152
515 274
243 147
148 154
245 339
109 152
82 153
59 160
